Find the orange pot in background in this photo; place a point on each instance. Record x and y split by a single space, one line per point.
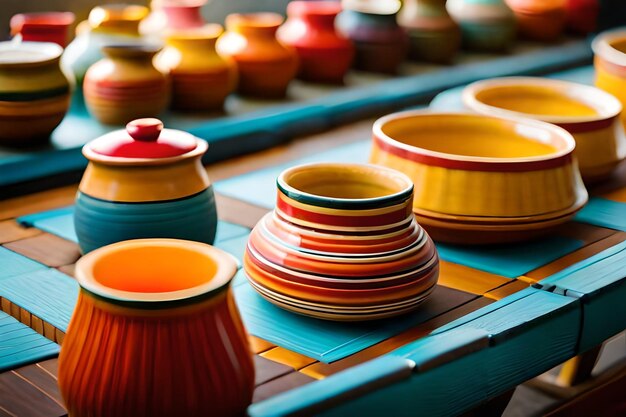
540 20
156 332
266 67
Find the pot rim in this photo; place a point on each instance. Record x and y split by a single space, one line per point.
226 268
605 104
602 46
50 51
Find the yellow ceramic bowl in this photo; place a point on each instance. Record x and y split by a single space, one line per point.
589 114
609 50
474 165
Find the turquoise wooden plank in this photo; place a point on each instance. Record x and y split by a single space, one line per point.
511 260
48 294
600 283
12 264
329 341
60 222
20 345
604 213
317 396
235 246
236 135
259 187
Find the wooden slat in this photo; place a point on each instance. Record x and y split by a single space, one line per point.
281 384
467 279
11 231
68 270
259 345
289 358
34 203
19 397
266 370
43 380
48 249
587 233
238 212
506 290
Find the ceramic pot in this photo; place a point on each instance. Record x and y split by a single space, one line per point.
589 114
34 92
159 315
500 180
486 25
43 27
143 183
325 55
433 35
540 20
201 79
107 24
173 15
381 44
342 244
126 85
265 66
582 15
609 50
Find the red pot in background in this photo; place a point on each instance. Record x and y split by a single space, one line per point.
43 27
184 15
325 55
540 20
582 15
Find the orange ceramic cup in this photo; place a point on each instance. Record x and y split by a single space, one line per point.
156 332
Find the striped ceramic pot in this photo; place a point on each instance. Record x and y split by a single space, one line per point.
34 92
201 79
125 85
143 183
156 332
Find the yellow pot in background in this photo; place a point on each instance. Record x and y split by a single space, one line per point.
474 165
589 114
609 49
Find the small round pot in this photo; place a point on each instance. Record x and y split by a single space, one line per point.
540 20
433 35
324 54
589 114
144 183
381 44
342 244
265 66
201 79
158 314
34 92
126 85
490 173
487 26
609 50
43 27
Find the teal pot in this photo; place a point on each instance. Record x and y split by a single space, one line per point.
381 44
99 223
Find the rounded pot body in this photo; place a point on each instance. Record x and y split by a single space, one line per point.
34 92
433 35
487 25
201 79
125 85
156 332
265 66
325 55
381 44
540 20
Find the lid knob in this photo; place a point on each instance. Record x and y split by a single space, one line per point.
145 130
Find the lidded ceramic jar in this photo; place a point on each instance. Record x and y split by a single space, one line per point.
34 92
107 24
156 332
486 25
144 182
43 27
433 35
265 66
201 79
325 55
125 85
540 20
381 44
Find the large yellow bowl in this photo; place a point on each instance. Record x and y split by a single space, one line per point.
589 114
474 165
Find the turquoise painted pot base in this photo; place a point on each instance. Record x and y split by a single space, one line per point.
99 223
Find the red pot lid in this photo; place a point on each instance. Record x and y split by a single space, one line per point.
144 138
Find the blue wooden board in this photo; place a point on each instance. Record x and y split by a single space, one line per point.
234 135
20 345
329 341
12 264
604 213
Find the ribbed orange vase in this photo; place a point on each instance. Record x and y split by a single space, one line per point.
156 332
